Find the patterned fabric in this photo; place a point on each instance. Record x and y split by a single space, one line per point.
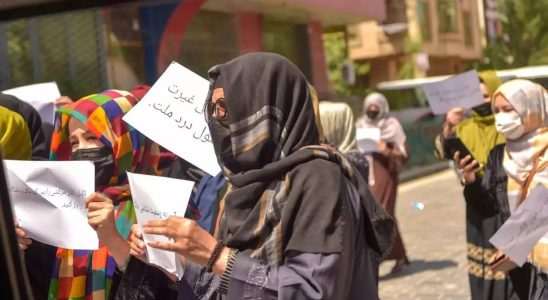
83 274
530 100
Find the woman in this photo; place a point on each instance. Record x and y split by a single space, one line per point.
92 129
279 232
340 132
385 164
21 138
480 136
33 123
521 116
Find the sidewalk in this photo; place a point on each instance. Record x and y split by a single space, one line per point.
435 240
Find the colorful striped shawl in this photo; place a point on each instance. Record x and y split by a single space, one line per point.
83 274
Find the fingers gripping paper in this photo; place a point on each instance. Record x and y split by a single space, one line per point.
171 114
49 201
157 198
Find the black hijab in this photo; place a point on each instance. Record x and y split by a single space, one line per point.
285 190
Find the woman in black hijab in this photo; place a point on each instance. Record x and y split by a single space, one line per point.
296 222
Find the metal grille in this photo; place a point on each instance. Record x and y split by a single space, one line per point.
68 48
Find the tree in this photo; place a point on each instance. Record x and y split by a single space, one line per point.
524 39
336 54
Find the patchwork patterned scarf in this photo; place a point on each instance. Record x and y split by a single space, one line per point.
83 274
527 156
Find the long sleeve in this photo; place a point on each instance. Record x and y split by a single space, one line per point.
302 276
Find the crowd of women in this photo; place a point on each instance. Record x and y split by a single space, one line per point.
298 212
507 137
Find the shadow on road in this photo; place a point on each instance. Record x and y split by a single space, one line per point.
420 265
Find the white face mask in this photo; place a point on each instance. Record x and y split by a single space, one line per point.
509 124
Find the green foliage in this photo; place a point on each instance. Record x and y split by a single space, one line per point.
336 54
411 47
525 36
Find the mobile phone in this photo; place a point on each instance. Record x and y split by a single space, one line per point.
455 144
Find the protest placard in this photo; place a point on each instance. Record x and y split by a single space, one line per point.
41 96
49 201
462 90
171 114
525 227
158 198
368 139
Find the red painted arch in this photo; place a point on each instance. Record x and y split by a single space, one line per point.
173 35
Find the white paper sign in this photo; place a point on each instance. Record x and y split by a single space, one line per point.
49 201
462 90
41 96
368 139
525 227
171 114
157 198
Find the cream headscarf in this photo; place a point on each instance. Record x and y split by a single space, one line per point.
338 125
530 101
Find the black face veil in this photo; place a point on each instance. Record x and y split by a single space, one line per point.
270 113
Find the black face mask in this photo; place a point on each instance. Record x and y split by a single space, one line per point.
220 136
103 160
483 109
372 114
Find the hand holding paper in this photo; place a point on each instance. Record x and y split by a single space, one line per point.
48 199
368 139
158 198
525 227
462 90
174 108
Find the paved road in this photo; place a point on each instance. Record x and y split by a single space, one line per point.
435 239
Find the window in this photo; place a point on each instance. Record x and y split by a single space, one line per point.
423 14
288 39
210 39
447 16
468 33
67 48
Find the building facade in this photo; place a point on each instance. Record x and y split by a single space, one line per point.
119 46
418 38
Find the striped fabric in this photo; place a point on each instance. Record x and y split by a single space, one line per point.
83 274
